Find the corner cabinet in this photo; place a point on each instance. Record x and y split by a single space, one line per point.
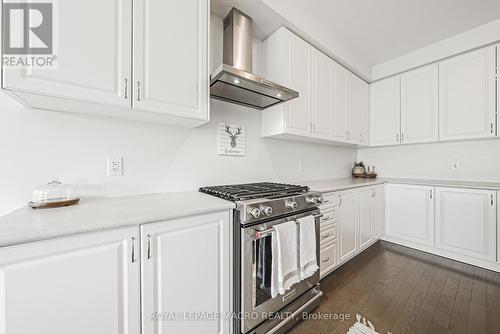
327 93
466 222
385 112
420 105
162 76
186 269
410 213
467 95
83 284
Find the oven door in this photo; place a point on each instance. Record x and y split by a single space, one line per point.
256 273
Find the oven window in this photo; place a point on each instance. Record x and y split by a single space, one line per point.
263 269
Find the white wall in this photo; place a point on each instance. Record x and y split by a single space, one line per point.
38 145
479 160
483 35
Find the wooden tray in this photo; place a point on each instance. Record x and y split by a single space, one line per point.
364 176
53 204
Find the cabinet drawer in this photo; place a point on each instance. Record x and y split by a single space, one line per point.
328 234
330 200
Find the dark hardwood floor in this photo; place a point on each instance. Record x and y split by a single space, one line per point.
401 290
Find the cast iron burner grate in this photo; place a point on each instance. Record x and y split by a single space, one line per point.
239 192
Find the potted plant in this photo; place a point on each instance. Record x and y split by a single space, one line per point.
358 169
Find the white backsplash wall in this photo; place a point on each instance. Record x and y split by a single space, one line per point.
38 145
479 160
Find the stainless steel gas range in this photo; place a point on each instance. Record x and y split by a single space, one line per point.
260 207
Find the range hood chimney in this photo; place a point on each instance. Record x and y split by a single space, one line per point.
234 81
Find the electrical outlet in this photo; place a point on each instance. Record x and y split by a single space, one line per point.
455 165
115 166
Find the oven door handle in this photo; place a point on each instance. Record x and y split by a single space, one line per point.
263 233
297 312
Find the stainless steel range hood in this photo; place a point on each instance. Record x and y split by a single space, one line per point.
234 81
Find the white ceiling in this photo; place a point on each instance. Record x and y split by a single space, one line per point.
381 30
377 30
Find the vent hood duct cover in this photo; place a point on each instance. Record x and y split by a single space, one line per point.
234 81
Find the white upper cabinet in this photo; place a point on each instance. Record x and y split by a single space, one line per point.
323 109
410 213
342 103
385 112
419 105
171 58
187 268
467 95
167 81
358 124
93 48
80 284
466 222
322 91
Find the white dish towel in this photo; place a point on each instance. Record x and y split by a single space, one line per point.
308 261
285 258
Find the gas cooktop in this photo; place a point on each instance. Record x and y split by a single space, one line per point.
240 192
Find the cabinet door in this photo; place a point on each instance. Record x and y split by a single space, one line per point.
322 95
419 105
358 124
93 55
328 258
171 73
348 225
410 213
365 113
81 285
385 112
299 110
498 227
378 203
467 95
366 217
466 222
342 103
186 268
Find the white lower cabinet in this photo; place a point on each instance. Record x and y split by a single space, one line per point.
466 222
410 213
329 258
378 203
186 268
80 285
365 218
348 228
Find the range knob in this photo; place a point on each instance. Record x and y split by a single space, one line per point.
292 205
255 212
311 200
267 210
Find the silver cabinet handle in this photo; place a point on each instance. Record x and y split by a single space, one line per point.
326 201
340 203
132 251
397 137
310 128
491 127
138 90
148 238
402 137
491 202
326 236
326 260
374 193
430 193
325 218
125 95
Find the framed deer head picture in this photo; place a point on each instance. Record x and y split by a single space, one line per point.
232 139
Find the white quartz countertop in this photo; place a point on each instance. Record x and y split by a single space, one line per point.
331 185
94 214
